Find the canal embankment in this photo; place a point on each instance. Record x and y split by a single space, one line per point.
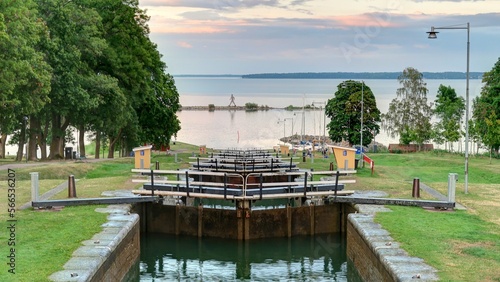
111 255
375 256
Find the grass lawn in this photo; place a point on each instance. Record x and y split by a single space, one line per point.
462 245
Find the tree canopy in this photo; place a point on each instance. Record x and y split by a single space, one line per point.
86 64
409 114
449 108
486 109
24 72
344 111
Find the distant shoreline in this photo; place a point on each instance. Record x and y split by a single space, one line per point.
224 108
337 75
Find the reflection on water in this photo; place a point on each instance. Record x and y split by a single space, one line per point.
182 258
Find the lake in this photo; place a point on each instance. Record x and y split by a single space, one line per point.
262 129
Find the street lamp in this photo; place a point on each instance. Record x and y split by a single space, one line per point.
433 35
26 140
324 118
284 123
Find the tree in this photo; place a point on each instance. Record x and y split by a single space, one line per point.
75 41
492 135
450 109
344 111
151 96
24 73
409 115
486 107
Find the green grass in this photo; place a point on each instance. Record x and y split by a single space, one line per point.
462 245
45 240
459 244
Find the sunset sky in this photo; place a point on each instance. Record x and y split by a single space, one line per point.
260 36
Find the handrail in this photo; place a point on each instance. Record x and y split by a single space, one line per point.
244 184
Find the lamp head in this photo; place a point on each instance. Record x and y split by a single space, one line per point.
432 33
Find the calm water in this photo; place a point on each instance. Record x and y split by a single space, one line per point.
180 258
239 129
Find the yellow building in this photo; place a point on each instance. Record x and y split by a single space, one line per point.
345 157
284 150
143 157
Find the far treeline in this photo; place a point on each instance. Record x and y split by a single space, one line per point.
85 64
362 75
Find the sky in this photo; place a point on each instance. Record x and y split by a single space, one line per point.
281 36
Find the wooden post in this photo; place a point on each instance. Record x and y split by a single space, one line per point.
311 217
177 219
289 219
71 187
200 220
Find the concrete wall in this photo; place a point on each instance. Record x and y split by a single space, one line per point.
241 224
111 255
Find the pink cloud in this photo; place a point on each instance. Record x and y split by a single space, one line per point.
381 20
184 44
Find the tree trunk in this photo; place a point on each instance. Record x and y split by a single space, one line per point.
58 133
3 140
33 137
22 141
112 144
111 151
81 140
97 144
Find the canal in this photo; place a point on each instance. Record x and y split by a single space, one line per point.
185 258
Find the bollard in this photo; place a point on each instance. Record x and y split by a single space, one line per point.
331 166
175 157
416 188
34 186
452 182
71 187
157 166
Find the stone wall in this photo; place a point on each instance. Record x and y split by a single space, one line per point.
374 254
111 255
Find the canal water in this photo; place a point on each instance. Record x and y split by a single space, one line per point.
183 258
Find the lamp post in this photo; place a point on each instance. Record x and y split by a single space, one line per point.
433 35
324 117
284 123
26 140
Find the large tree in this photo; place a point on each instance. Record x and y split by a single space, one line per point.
449 108
152 99
344 111
24 73
486 108
409 114
75 39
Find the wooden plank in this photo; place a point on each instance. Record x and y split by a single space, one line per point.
333 172
300 183
159 181
93 201
183 172
389 201
232 197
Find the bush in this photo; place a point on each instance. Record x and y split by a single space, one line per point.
251 107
